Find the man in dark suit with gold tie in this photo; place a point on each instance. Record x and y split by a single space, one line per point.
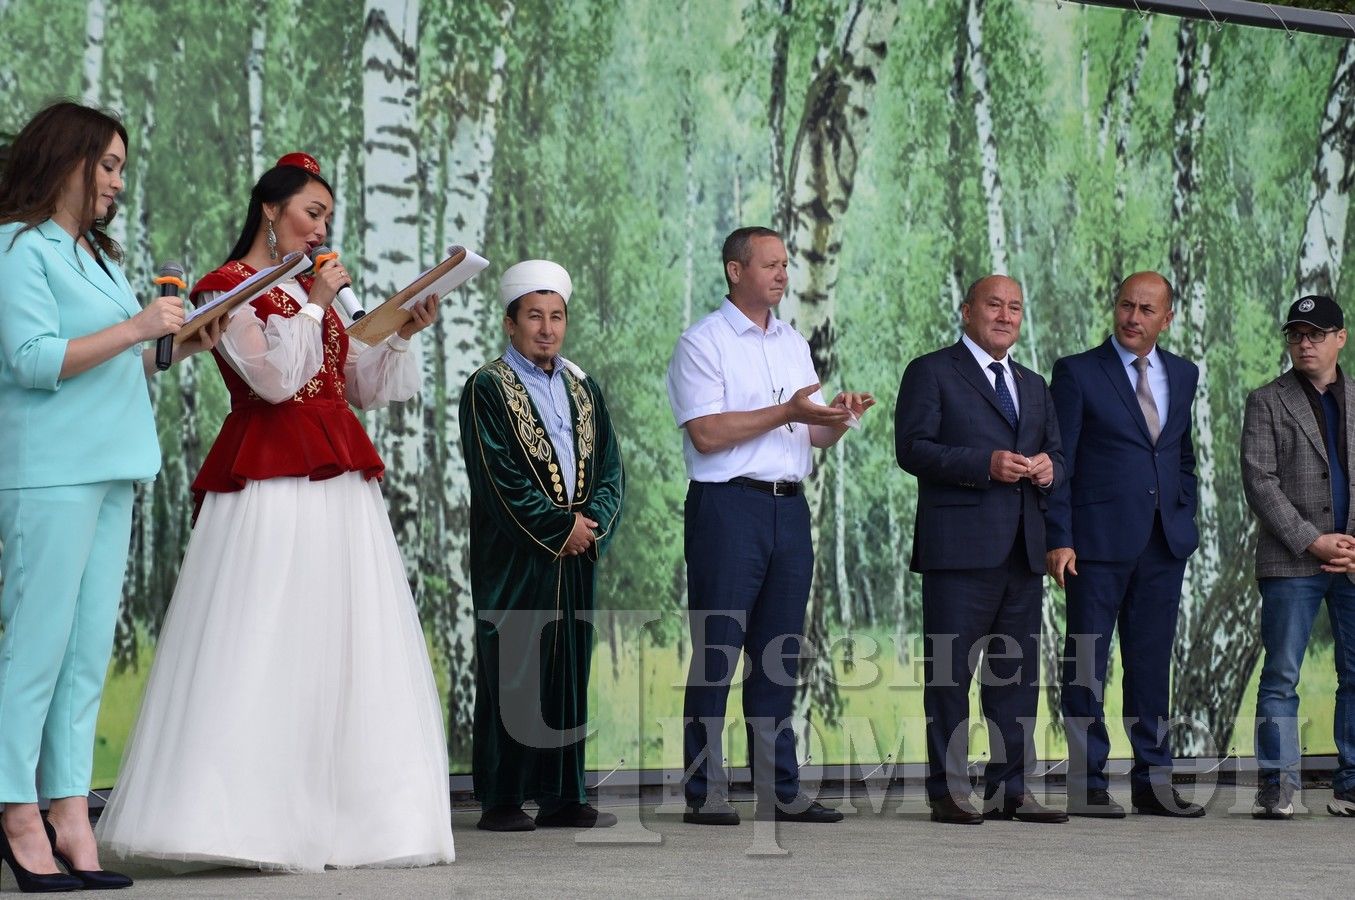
979 433
1120 530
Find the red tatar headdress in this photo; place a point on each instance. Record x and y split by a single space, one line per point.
301 161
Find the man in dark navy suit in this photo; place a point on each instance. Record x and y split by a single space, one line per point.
1119 531
979 433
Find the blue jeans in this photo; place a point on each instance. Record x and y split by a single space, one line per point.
1288 608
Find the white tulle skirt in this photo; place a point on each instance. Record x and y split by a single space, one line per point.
291 720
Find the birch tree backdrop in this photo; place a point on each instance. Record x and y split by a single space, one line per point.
902 148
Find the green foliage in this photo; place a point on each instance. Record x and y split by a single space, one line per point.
627 140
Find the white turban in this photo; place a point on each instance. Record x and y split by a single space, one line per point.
535 275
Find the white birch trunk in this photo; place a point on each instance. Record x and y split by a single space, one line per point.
96 12
776 119
1324 232
953 211
1218 637
390 227
988 154
1188 269
822 177
254 67
1223 644
131 229
468 171
1128 94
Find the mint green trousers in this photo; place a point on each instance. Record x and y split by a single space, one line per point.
63 561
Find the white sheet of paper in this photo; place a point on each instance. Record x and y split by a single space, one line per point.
293 262
456 276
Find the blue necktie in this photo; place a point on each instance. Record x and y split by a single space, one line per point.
1004 396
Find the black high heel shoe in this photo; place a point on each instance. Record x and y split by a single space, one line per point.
89 879
30 883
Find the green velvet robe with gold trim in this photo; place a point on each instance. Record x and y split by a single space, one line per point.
532 651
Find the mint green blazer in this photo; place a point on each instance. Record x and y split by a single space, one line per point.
95 426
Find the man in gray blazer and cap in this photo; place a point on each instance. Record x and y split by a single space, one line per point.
1296 471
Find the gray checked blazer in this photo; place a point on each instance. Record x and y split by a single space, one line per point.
1285 475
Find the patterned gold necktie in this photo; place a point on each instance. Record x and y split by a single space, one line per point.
1146 401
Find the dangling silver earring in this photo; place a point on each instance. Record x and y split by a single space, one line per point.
272 239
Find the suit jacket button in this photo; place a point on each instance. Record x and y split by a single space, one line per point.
1326 509
1152 490
1324 474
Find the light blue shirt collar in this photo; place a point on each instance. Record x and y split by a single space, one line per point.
550 395
523 365
1127 357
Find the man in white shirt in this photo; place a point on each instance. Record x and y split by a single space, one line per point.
743 388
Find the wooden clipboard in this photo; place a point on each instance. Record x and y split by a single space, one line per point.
259 283
390 316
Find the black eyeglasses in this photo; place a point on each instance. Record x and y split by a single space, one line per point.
778 397
1314 337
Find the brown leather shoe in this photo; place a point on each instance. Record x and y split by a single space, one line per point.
1025 809
955 811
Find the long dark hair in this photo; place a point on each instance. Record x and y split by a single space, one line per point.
55 141
278 185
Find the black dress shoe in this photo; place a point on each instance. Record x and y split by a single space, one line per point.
1025 809
32 883
802 809
955 811
505 818
1148 803
575 815
711 811
1098 804
90 879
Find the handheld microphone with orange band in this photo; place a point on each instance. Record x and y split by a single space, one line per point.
347 299
170 279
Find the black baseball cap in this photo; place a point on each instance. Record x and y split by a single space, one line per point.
1315 310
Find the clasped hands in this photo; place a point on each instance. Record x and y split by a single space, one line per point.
581 537
1008 468
1336 551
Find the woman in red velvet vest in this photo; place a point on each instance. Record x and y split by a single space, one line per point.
291 720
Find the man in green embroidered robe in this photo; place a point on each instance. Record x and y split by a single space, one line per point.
546 483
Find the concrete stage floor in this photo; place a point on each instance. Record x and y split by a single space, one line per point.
895 851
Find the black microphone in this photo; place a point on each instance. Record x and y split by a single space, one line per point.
170 279
347 299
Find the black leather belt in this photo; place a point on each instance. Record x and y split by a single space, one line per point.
775 488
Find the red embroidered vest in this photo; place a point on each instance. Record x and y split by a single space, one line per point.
314 434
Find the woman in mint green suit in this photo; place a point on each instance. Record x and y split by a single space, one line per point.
76 430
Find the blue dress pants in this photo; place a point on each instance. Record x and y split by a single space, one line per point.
750 561
1141 597
994 614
